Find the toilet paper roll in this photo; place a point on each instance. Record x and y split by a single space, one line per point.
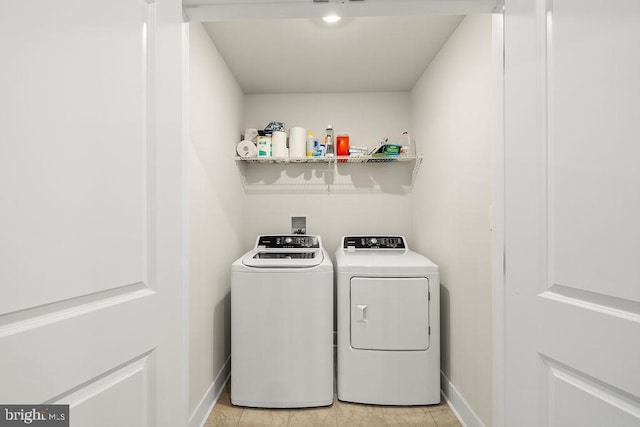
246 148
297 142
279 144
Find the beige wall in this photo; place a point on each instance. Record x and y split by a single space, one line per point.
215 206
365 198
445 217
452 120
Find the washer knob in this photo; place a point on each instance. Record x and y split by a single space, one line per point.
288 240
373 240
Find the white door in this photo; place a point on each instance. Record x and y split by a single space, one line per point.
572 213
92 298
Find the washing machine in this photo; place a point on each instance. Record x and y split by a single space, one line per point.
282 324
388 322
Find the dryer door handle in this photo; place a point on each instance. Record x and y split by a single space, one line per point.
361 310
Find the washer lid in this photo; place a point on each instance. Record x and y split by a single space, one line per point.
283 258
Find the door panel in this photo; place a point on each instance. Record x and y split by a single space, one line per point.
593 146
572 312
46 356
600 405
92 301
390 313
586 337
73 170
128 389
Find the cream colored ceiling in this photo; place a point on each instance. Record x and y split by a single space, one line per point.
359 54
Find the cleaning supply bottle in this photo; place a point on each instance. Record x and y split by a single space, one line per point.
310 144
405 143
328 142
321 150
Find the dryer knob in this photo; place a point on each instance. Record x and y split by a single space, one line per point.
288 240
373 240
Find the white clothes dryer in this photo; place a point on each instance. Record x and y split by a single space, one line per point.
388 314
282 324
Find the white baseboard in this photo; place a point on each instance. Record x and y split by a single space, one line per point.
458 405
201 413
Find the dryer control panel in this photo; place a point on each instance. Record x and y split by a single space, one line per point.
374 242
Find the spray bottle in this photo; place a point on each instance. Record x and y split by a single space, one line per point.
328 142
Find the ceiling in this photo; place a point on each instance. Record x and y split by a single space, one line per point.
358 54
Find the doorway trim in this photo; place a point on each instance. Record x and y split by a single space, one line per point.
498 255
219 10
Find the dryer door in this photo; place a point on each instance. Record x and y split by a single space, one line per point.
390 313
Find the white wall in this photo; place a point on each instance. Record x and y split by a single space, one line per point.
379 203
452 120
215 209
445 217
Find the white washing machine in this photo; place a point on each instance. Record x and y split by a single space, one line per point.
282 324
388 317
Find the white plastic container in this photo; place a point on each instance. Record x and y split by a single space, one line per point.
264 146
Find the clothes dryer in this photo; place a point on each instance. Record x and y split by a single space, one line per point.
388 322
282 324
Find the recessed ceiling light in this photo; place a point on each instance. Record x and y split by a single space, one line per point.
331 19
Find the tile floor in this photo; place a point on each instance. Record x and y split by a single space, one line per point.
338 414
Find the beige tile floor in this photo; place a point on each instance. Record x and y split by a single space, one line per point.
338 414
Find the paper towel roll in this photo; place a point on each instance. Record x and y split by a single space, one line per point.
246 149
279 144
297 142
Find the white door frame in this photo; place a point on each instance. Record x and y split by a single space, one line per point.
171 131
497 221
213 10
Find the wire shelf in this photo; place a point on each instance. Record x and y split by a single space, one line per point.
391 174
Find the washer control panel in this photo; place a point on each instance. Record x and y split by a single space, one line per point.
374 242
295 241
